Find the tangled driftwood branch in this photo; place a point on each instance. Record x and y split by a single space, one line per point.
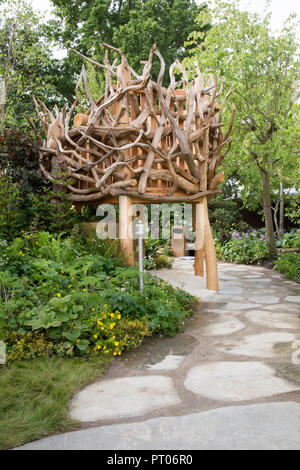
139 138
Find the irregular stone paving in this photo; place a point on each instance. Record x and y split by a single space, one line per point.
230 381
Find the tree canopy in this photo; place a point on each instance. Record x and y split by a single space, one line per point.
131 25
263 69
26 64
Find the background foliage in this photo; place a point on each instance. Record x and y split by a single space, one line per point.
263 68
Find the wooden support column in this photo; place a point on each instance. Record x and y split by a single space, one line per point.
212 282
125 226
198 229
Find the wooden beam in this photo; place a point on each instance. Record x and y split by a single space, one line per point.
159 196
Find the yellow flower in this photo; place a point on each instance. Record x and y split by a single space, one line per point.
98 346
96 336
115 353
104 347
117 343
111 325
58 295
73 292
119 317
119 352
28 236
113 337
69 287
112 315
104 316
106 351
22 254
93 309
102 327
36 243
83 290
78 340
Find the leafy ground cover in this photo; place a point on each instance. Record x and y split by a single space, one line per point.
68 297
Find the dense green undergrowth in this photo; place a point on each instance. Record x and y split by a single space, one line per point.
289 264
251 247
73 297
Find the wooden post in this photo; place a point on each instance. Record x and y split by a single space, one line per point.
212 282
198 229
125 218
125 224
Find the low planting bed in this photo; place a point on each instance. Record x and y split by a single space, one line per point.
67 307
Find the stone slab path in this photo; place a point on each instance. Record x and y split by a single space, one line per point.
230 381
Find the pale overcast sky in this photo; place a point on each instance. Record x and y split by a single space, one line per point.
281 9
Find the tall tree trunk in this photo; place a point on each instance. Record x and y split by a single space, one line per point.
268 212
281 210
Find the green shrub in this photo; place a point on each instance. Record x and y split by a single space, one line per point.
24 212
11 220
245 251
289 264
289 240
157 252
163 261
251 246
247 247
28 345
131 333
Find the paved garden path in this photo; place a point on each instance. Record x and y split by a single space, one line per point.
230 381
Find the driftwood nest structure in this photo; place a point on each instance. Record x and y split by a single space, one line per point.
142 142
